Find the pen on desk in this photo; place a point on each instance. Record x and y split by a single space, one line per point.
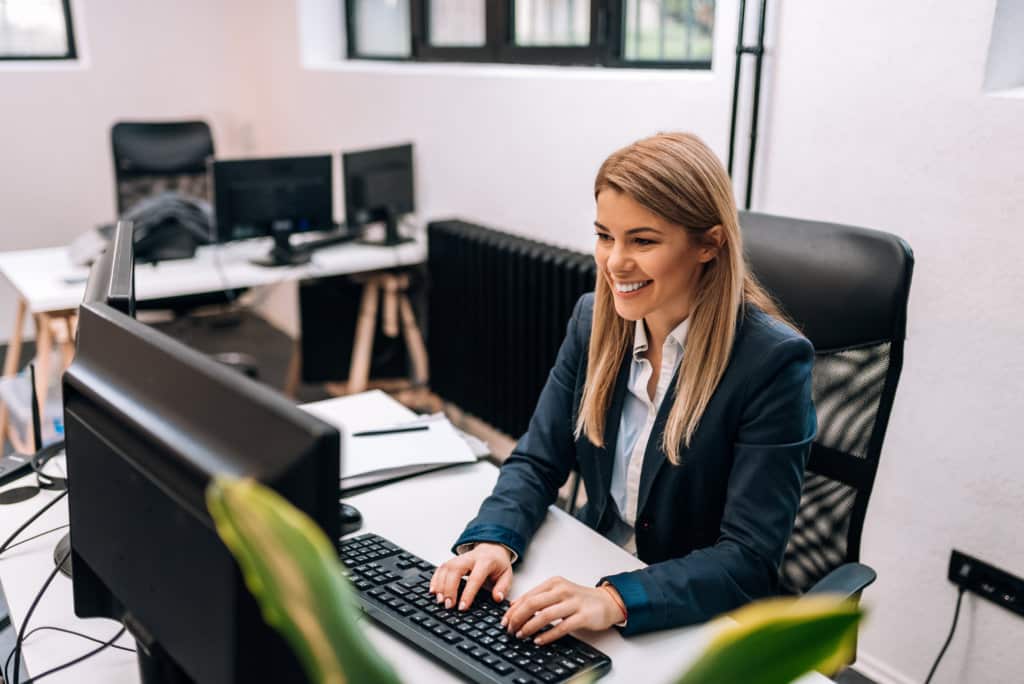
391 431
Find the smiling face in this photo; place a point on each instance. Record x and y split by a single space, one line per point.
652 266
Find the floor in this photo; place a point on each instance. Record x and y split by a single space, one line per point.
247 333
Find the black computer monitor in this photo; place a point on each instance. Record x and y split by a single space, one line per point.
112 277
148 423
378 187
276 197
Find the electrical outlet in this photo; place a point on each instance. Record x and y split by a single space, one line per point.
987 581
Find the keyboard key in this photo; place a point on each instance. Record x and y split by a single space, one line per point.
502 668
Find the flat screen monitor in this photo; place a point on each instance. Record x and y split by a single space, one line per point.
378 187
274 197
148 423
112 277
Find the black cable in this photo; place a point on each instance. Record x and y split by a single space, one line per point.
7 543
36 536
956 615
77 660
77 634
28 616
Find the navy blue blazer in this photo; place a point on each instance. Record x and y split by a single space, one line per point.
713 529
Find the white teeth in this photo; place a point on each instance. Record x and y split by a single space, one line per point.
630 287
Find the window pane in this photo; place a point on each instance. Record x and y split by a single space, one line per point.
32 28
458 23
669 30
382 28
552 22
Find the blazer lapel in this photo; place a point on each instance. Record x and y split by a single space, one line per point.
654 457
606 455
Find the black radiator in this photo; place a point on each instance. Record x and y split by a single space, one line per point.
499 305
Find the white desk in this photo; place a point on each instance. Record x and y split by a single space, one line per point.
50 288
46 280
423 514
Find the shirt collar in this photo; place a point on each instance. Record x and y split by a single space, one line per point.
678 335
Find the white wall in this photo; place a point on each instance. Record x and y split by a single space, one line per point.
142 60
874 115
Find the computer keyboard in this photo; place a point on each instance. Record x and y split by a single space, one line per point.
393 588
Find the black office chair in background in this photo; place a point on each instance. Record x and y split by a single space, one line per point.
846 288
152 158
156 159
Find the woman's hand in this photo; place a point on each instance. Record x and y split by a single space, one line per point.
577 606
484 562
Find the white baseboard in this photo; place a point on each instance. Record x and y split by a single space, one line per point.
876 670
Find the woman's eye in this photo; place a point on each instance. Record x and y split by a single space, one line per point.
643 242
603 237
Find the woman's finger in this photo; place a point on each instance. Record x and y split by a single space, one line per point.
502 585
569 624
525 608
456 569
545 617
481 571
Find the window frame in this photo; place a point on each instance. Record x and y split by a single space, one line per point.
70 55
607 41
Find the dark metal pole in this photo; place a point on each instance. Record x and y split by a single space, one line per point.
736 85
757 102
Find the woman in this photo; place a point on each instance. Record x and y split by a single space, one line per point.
684 399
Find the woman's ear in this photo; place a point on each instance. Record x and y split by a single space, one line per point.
713 239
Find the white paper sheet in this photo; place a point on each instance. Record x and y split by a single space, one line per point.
440 443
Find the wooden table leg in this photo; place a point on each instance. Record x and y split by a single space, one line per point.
11 360
67 345
362 344
292 375
44 355
389 319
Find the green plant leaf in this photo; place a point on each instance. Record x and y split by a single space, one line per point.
293 570
777 640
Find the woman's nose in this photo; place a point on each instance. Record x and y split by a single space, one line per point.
618 259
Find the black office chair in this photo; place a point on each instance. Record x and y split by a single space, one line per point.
150 158
171 156
846 288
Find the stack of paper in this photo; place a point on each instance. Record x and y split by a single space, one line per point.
378 458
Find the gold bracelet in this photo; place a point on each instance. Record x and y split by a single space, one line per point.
618 600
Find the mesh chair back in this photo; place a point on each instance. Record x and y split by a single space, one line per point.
150 158
846 288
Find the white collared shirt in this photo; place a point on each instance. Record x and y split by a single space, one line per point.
639 412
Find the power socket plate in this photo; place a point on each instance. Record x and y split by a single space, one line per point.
987 581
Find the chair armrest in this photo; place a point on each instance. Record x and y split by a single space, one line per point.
848 580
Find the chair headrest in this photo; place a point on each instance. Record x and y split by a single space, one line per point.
160 148
844 286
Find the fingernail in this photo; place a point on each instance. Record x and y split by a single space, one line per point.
462 605
447 603
501 597
538 641
519 634
440 598
504 621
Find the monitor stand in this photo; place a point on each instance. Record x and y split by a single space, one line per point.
62 555
391 235
282 253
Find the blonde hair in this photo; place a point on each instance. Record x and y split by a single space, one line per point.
678 177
